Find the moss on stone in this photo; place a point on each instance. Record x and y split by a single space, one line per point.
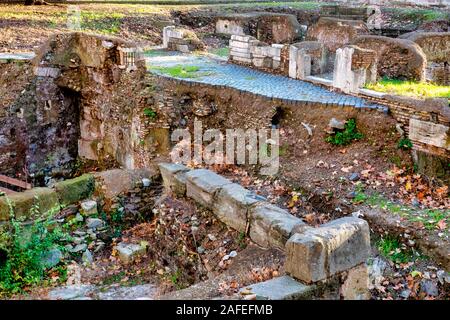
73 190
42 199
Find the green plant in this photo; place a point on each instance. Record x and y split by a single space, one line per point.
392 249
241 240
345 137
150 113
25 265
405 144
180 71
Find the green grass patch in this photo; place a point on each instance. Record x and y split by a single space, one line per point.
411 88
345 137
180 71
429 217
405 144
392 249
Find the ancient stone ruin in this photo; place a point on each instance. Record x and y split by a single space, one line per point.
234 153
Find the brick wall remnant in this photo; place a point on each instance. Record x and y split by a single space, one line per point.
264 26
397 58
335 33
354 67
436 46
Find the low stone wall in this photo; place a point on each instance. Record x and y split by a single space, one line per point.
248 50
313 255
179 39
107 186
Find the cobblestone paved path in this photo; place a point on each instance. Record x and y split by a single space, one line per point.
216 72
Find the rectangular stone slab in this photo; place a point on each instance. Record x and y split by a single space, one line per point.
174 179
319 253
201 184
271 225
280 288
232 204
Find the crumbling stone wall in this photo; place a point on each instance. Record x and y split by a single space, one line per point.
307 58
397 58
436 46
267 27
85 100
335 33
180 39
95 68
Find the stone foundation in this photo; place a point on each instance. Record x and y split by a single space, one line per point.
333 254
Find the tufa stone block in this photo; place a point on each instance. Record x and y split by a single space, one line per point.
232 204
202 184
271 225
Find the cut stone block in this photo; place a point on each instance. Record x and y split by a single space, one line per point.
240 54
47 72
356 284
271 225
240 59
348 242
43 199
239 44
74 190
241 38
322 252
89 207
280 288
243 50
128 252
306 257
202 184
112 183
232 204
174 178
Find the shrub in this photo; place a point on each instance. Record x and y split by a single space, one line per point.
150 113
405 144
25 265
345 137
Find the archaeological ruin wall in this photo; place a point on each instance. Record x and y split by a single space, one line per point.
85 101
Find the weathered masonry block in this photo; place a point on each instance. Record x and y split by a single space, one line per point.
320 253
271 225
232 205
280 288
202 184
43 199
180 39
174 177
73 190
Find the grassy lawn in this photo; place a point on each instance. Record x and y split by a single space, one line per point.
411 88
